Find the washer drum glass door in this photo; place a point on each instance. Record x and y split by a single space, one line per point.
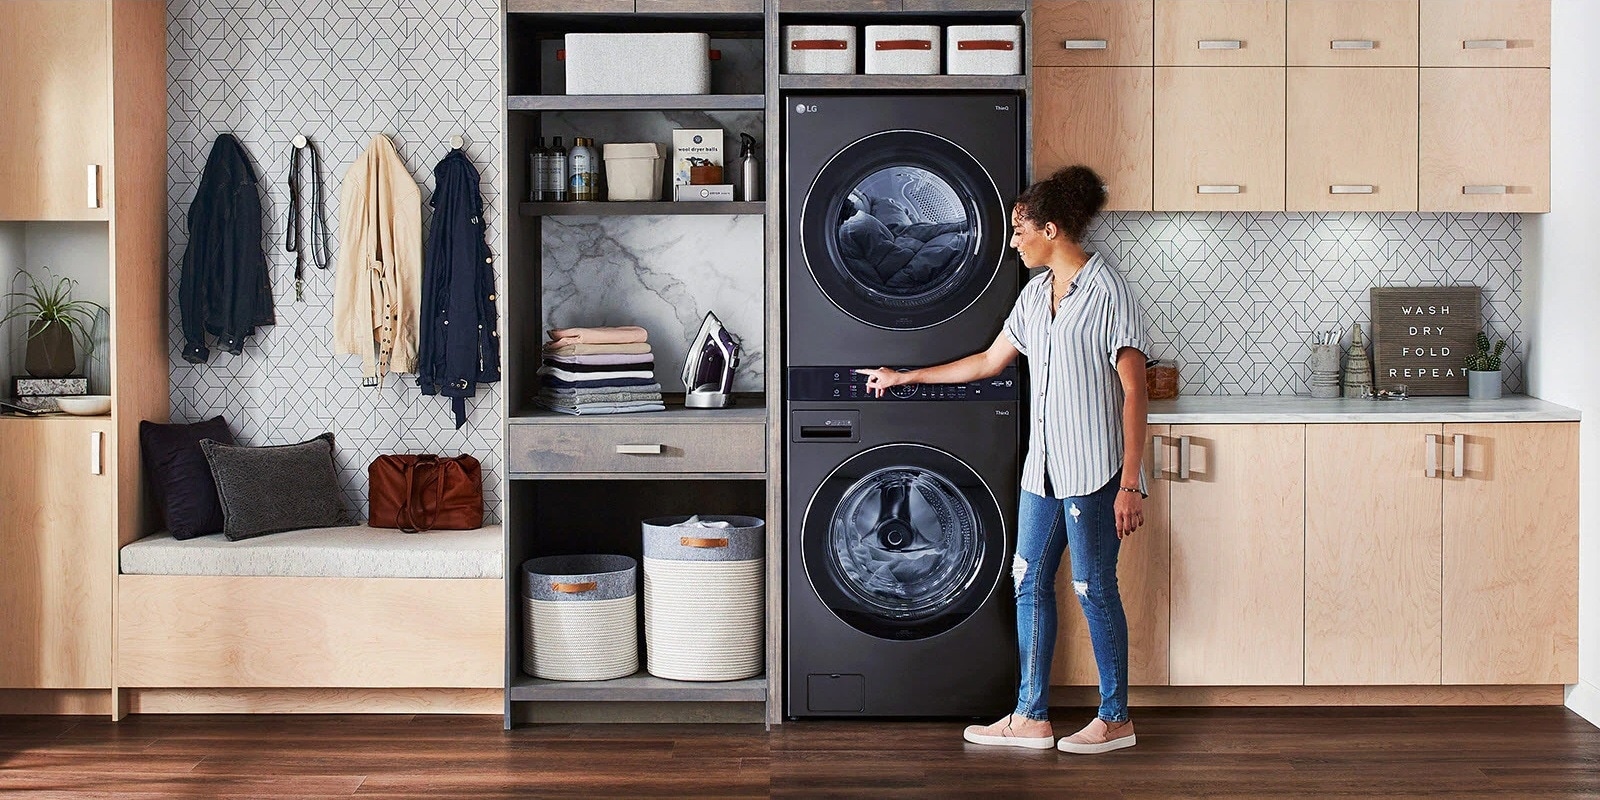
903 541
903 230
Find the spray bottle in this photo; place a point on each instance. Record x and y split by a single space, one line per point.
749 168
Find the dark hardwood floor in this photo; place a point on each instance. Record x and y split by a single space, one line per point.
1429 752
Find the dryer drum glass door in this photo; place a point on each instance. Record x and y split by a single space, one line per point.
903 230
903 542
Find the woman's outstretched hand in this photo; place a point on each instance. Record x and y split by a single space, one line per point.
880 379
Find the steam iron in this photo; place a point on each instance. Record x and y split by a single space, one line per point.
708 371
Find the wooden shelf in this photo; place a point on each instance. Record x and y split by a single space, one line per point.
988 83
604 208
640 687
636 102
748 410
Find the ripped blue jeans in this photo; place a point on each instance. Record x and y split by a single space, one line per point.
1088 525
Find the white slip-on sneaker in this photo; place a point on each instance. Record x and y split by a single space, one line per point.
1001 734
1098 737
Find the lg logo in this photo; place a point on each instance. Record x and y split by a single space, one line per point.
802 108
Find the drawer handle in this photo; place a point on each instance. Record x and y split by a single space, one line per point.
1221 44
690 541
96 445
903 44
1219 188
94 186
1158 467
1184 451
1459 442
819 44
1351 188
1430 469
1352 44
1085 44
1486 189
986 44
574 588
639 449
1485 44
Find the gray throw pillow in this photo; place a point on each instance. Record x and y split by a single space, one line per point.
273 489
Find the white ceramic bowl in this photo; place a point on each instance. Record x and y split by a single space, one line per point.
85 405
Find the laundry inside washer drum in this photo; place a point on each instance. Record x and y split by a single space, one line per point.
905 542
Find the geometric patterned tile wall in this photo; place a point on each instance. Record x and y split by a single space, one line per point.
1235 298
339 72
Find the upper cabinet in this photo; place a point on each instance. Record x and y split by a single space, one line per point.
914 6
1220 33
1352 139
56 129
1093 33
1485 140
1115 141
1219 139
1352 33
1485 33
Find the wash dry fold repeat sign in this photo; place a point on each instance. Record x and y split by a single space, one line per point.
1421 336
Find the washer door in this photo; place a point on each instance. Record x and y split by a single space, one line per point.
903 230
903 541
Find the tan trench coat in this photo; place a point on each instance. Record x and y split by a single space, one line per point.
378 282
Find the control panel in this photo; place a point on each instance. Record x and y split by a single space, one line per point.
844 383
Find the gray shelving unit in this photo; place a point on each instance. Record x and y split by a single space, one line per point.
640 687
636 102
903 83
602 208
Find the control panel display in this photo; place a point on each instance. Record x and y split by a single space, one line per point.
844 383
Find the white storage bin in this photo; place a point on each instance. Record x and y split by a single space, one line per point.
983 50
819 49
633 171
704 605
902 50
638 63
580 617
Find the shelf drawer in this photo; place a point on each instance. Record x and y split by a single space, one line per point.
634 448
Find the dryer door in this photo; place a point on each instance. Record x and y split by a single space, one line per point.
903 541
903 230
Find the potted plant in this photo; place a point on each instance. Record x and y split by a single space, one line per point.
1483 369
54 319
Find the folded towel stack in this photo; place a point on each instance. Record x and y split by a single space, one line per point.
599 371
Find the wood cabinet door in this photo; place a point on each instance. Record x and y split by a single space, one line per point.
1094 33
1511 553
1101 117
1352 139
57 554
1143 579
1485 33
1220 33
1352 33
56 128
1238 557
1484 140
1219 138
1373 548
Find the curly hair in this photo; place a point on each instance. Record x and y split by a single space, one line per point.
1070 198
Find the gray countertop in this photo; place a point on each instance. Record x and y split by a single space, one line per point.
1266 409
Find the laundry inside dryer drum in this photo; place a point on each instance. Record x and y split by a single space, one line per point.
905 234
904 543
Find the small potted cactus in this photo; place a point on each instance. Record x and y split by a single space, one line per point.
1483 369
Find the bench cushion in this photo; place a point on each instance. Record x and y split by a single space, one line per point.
349 552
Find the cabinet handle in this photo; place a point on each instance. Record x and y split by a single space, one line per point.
1431 470
639 449
1183 458
96 439
1485 44
1459 444
1219 188
1486 189
1352 188
1158 470
94 185
1221 44
1085 44
1352 44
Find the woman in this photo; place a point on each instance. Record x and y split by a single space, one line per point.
1082 482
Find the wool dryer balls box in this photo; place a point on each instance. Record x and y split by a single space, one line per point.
638 63
902 50
696 149
819 49
983 50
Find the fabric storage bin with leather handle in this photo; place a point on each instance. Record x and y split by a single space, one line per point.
704 608
902 50
819 49
983 50
580 617
418 493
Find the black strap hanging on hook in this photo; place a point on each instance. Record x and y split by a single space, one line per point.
319 228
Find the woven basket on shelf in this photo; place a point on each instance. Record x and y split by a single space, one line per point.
580 618
704 604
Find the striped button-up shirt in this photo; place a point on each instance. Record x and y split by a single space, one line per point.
1075 415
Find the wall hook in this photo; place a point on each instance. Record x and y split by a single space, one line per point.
458 141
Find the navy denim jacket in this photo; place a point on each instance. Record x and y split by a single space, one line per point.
224 289
459 345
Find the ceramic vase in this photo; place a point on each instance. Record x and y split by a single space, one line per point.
50 352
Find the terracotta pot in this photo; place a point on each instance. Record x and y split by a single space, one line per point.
50 352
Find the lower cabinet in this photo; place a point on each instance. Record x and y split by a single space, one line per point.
56 553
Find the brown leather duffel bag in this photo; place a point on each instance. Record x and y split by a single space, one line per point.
418 493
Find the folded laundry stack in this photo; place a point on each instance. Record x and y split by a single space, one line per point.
599 371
